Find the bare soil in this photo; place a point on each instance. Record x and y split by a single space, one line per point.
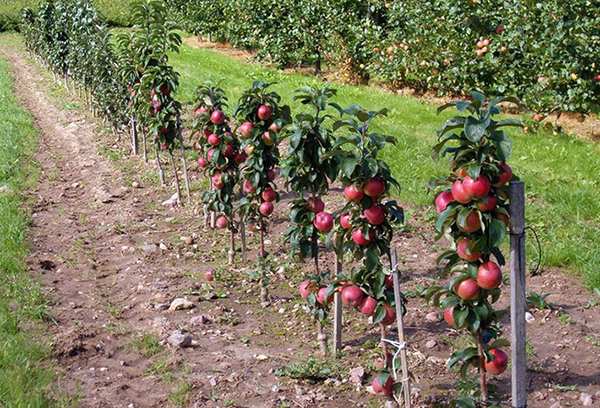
90 248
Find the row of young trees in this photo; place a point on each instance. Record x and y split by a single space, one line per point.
238 151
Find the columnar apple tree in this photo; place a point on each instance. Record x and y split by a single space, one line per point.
366 225
220 156
261 117
308 171
473 215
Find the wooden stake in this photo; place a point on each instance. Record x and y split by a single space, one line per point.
179 202
145 144
135 141
400 322
183 158
243 236
337 311
264 291
161 172
231 252
517 294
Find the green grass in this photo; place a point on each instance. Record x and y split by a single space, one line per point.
561 172
25 378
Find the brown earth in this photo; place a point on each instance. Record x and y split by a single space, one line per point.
90 247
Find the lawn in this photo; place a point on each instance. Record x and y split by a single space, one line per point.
24 382
561 172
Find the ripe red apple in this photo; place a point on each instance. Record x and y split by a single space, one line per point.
487 203
352 193
271 174
222 222
321 296
467 289
246 129
209 275
597 77
266 208
458 192
209 155
502 217
498 364
476 188
199 111
217 117
315 204
489 275
274 127
267 139
306 288
504 176
323 222
207 132
500 29
239 157
374 187
472 223
247 187
197 146
442 200
367 306
249 150
537 117
202 162
352 296
217 181
360 239
390 315
228 150
214 140
265 112
375 215
461 250
345 221
449 318
269 195
389 281
385 389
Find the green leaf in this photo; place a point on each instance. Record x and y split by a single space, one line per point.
497 233
348 164
475 129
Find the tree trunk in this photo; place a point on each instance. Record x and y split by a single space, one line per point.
161 172
384 348
232 249
183 158
482 374
243 237
264 291
322 338
179 202
145 142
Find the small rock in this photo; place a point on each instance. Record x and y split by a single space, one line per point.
163 247
161 306
261 357
431 344
197 320
178 339
189 240
181 304
275 388
586 399
556 405
264 304
391 404
357 375
149 248
171 202
135 184
160 285
529 317
433 317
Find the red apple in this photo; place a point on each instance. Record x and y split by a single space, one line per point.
249 150
222 222
271 174
267 139
217 181
217 117
489 275
385 389
502 217
472 223
458 192
265 112
323 222
352 296
239 157
374 187
228 150
537 117
321 296
214 140
500 29
504 176
389 281
476 188
209 275
360 239
367 306
487 204
200 110
467 289
390 315
449 318
345 221
461 250
207 132
442 200
209 155
247 187
375 215
246 129
306 288
315 204
352 193
498 364
269 194
266 208
274 127
202 162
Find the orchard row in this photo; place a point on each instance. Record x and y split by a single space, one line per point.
238 151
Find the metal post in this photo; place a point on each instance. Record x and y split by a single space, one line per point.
517 294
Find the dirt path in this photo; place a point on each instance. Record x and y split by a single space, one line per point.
111 259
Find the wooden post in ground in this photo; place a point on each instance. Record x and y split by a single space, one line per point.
400 322
135 136
337 310
183 158
517 294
